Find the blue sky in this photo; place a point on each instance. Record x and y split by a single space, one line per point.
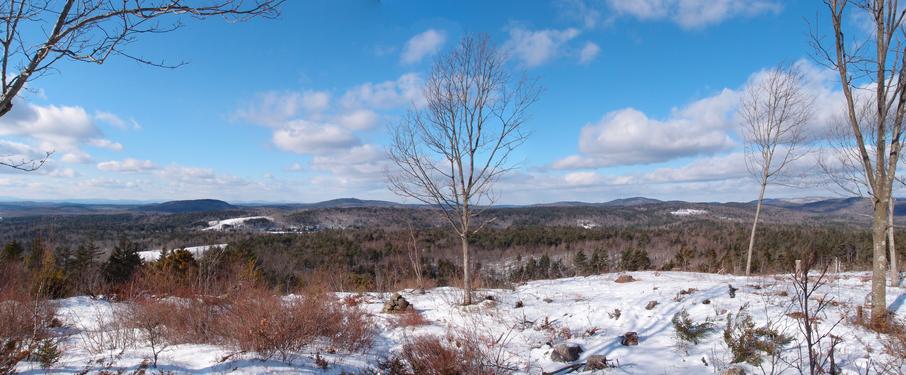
639 99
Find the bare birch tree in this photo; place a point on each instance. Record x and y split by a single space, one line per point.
35 35
841 163
877 68
451 152
775 110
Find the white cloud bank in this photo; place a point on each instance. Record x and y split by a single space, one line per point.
64 130
693 14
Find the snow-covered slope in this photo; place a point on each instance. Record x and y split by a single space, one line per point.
235 222
197 251
574 310
688 212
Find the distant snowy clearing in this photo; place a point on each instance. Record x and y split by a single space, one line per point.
197 251
572 310
238 222
688 212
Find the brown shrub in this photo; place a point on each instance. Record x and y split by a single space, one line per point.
149 317
256 321
196 320
25 320
428 355
464 353
409 318
355 329
106 332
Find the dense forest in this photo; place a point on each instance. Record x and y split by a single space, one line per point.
360 259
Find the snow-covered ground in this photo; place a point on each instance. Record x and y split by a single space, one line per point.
688 212
574 310
197 251
218 225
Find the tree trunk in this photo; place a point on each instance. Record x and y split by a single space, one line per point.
891 244
466 277
879 269
755 225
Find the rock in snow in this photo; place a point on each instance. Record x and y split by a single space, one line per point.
396 303
630 338
566 352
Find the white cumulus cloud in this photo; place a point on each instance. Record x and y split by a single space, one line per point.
422 45
589 52
306 137
536 47
628 136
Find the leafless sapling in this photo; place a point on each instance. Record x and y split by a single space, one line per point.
775 109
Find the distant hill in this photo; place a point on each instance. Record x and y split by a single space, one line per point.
336 203
186 206
823 206
623 202
846 210
634 201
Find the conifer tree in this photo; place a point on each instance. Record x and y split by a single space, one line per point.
580 262
12 252
123 262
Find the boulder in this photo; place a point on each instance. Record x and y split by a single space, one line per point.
566 352
630 338
624 278
706 302
650 305
596 362
396 303
519 304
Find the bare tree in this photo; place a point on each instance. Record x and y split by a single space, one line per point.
775 110
37 34
415 259
878 68
840 161
452 151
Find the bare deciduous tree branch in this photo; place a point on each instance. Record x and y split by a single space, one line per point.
36 34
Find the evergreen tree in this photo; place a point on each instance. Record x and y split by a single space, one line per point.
51 280
123 262
544 267
600 261
12 252
634 260
179 261
36 251
580 262
531 269
83 267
